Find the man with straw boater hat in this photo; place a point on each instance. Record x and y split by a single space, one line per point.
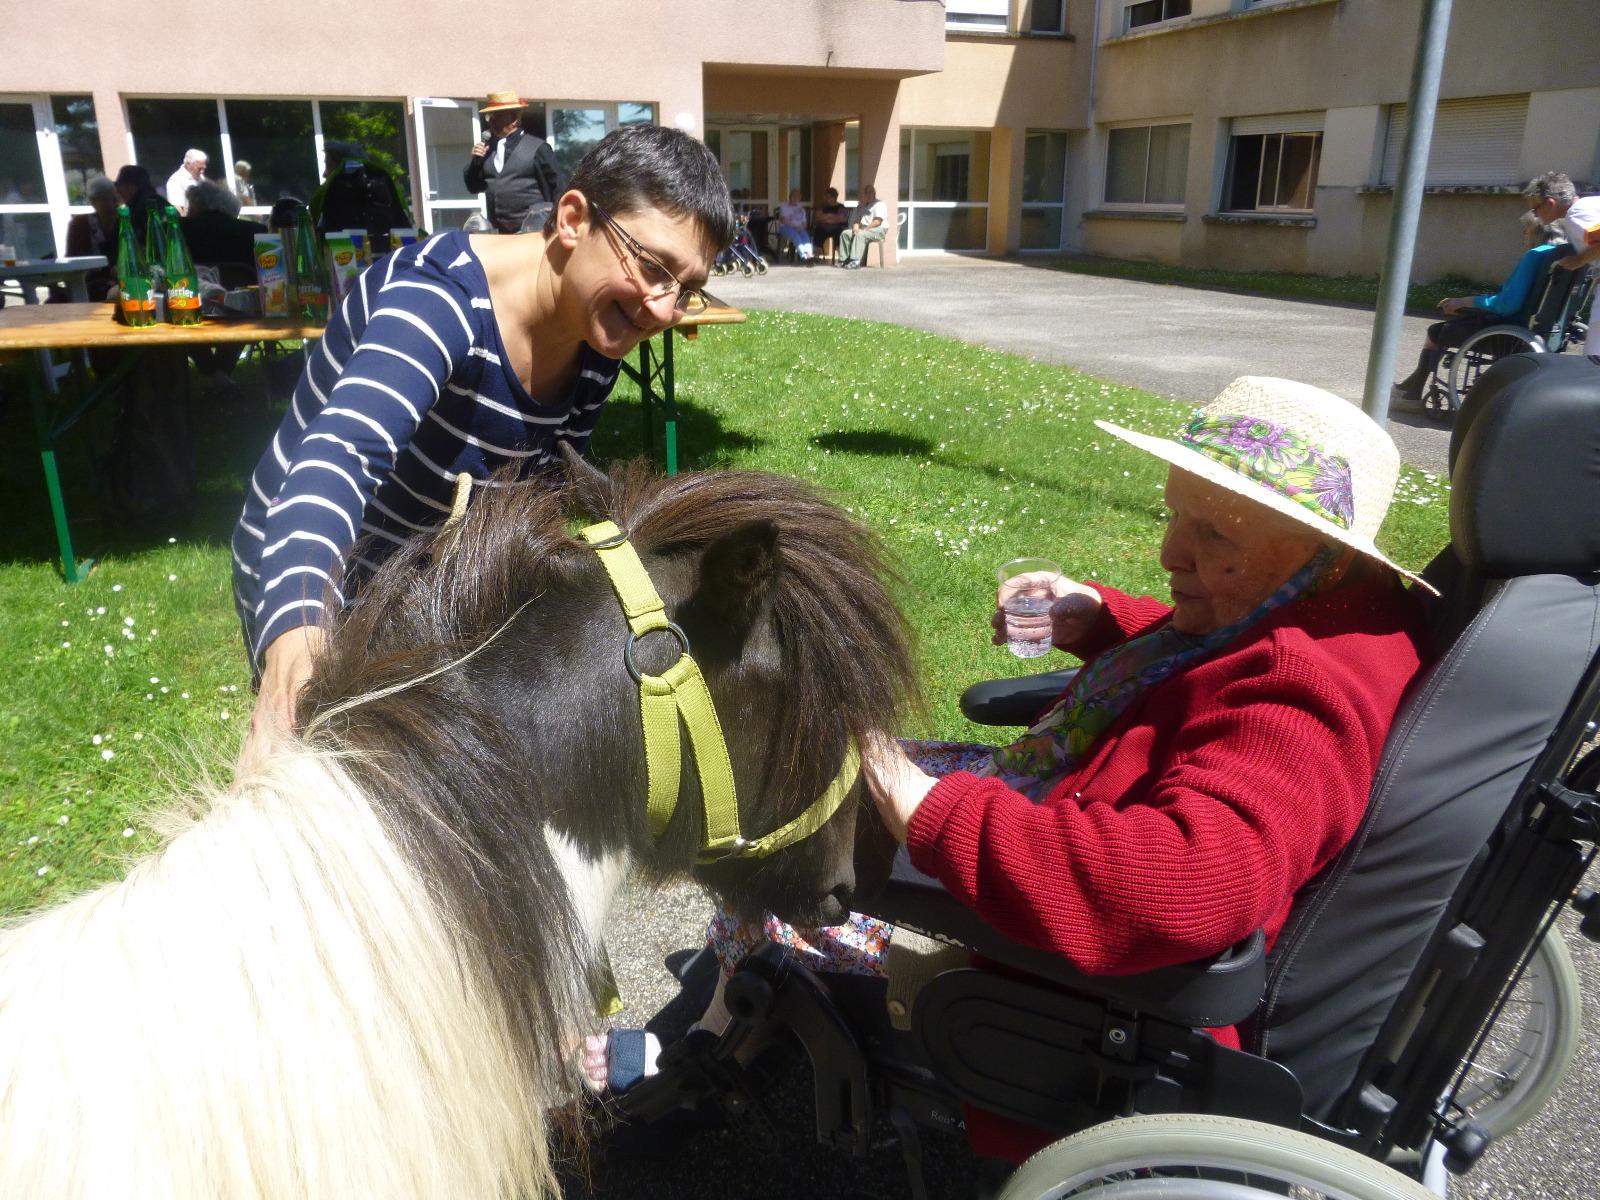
516 168
1214 753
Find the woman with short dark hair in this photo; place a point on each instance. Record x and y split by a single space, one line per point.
458 356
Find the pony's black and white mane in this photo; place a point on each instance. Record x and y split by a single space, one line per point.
362 968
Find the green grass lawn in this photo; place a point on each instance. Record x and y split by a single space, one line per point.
115 692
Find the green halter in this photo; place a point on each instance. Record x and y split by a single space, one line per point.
680 692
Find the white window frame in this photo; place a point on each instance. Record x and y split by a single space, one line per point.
978 16
1144 205
1312 129
909 207
57 206
1127 16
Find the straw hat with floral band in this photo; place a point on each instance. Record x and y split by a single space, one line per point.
1304 453
501 102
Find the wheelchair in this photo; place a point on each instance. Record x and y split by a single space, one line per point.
1386 1038
1557 315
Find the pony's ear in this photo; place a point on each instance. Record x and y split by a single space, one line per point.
591 486
736 573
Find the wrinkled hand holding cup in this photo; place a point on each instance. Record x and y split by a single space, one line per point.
1028 588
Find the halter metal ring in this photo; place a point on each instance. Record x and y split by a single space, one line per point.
633 638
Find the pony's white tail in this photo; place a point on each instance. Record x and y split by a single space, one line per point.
274 1006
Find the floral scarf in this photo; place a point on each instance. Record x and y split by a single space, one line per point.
1108 686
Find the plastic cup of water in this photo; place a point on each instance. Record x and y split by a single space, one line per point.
1027 590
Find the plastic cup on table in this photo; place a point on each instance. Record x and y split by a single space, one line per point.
8 255
1027 590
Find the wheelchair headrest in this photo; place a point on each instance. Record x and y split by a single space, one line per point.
1525 469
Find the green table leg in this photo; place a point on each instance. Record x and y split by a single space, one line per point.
647 398
72 570
669 409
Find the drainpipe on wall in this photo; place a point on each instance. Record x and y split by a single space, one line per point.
1090 139
1408 188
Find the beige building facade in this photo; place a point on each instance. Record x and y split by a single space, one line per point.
1236 133
1267 134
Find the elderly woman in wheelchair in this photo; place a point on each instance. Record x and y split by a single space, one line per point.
1220 780
1537 307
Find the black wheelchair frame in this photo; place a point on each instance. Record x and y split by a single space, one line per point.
1028 1037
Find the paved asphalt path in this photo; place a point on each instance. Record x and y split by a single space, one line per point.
1176 341
1181 342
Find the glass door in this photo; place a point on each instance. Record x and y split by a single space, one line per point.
446 130
576 126
33 192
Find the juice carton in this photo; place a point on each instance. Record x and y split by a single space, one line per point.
344 264
272 273
358 239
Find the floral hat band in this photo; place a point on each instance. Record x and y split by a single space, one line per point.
1279 459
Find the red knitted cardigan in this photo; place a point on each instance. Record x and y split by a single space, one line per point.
1201 811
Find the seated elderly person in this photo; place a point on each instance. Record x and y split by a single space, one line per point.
1212 755
215 234
1465 315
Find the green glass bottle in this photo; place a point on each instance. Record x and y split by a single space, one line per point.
183 281
138 307
310 273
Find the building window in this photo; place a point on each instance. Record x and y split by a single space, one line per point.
1147 164
1044 189
78 134
944 189
976 16
1047 16
278 140
1153 12
574 130
163 130
282 141
1475 142
1273 172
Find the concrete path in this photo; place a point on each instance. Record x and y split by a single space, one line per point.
1177 341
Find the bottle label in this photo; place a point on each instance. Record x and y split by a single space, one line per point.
179 295
134 305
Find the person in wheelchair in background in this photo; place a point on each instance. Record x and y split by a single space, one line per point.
1466 315
1211 756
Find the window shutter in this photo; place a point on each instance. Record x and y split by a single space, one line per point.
1295 122
1476 141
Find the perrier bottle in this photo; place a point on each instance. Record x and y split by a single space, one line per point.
183 281
310 273
133 276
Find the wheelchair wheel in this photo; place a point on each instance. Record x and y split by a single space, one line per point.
1180 1156
1480 352
1530 1046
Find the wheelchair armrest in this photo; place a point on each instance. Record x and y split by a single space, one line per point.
1013 701
1223 989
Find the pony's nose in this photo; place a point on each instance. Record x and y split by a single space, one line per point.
834 908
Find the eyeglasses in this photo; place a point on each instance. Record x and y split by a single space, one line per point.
657 280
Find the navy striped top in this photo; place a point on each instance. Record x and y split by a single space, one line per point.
407 388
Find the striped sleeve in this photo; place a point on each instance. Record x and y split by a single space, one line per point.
358 409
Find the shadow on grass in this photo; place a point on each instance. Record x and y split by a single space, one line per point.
875 442
228 434
703 440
